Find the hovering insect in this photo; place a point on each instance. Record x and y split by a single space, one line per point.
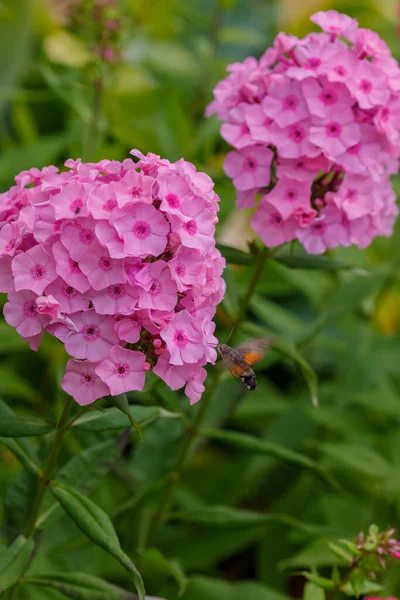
239 360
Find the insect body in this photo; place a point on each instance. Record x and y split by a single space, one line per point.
239 360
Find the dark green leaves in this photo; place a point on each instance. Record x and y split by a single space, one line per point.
80 586
97 526
14 560
113 418
18 426
235 256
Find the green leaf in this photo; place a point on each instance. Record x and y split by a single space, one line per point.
362 459
121 403
235 256
210 588
230 518
359 587
84 471
313 592
310 262
19 426
14 560
155 563
250 443
340 552
97 526
113 418
81 586
20 454
317 580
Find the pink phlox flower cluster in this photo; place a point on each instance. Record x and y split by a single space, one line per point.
315 127
118 261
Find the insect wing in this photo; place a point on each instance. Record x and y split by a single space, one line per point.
253 351
232 360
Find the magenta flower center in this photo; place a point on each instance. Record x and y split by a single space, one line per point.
180 338
297 133
313 63
328 97
87 380
180 269
69 291
191 227
244 130
117 291
291 195
91 333
276 219
365 86
74 266
10 245
155 288
333 129
290 102
173 200
105 263
29 309
38 272
250 164
340 70
122 369
351 195
141 229
136 192
319 228
76 206
110 205
86 237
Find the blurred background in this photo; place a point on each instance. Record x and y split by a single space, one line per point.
77 80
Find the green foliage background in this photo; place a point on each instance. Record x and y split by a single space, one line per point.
225 538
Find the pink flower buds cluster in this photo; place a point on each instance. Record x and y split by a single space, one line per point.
118 261
315 124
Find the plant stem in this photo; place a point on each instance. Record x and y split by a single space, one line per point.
338 587
193 430
47 473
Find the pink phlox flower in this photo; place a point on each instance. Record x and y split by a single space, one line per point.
270 225
336 133
283 44
78 236
331 21
369 85
187 269
175 376
236 132
71 202
102 201
195 228
69 298
356 196
285 102
195 387
10 238
94 338
21 312
134 187
302 168
48 305
262 127
246 198
340 67
249 168
158 290
289 195
33 270
328 231
68 268
311 55
116 298
387 120
129 328
200 183
100 268
294 141
369 44
122 370
322 96
209 340
82 382
183 339
143 230
108 237
174 190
